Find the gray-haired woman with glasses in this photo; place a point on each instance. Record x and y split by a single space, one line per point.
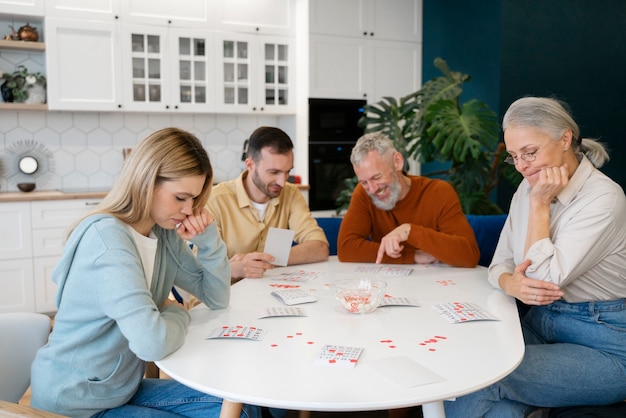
563 252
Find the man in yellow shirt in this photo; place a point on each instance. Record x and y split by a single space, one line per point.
246 207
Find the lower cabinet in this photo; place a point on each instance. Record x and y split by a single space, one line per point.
34 234
16 267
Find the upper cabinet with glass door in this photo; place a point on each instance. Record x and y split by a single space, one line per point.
167 69
192 72
255 74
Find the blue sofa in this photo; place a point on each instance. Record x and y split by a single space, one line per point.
486 229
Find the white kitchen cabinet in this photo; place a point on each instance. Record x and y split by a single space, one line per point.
364 48
32 241
351 68
255 74
15 224
45 290
51 222
398 20
16 268
22 7
167 69
269 17
103 10
183 14
84 65
17 284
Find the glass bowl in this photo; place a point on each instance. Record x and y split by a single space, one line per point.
359 296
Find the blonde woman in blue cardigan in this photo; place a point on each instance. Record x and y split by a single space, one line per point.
114 278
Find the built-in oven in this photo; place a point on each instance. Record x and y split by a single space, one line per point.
333 131
329 165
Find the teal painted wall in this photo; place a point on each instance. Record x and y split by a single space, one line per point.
571 49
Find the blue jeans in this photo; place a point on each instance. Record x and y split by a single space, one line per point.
575 355
168 398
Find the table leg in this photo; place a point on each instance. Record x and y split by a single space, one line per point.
230 409
433 410
304 414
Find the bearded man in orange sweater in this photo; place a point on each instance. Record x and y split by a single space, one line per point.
397 218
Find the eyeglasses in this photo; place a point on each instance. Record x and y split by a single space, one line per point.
527 156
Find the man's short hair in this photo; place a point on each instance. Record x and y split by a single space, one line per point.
268 137
374 141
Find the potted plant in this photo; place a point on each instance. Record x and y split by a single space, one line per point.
432 125
23 87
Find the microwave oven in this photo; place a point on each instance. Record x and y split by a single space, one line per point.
335 120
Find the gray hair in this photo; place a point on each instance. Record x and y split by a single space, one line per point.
552 117
375 141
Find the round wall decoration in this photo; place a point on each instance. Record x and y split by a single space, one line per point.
28 161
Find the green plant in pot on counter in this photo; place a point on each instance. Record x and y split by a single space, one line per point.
19 85
432 125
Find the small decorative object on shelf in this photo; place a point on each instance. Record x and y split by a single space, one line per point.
23 87
26 187
25 33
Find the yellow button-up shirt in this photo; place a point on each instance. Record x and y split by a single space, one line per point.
239 224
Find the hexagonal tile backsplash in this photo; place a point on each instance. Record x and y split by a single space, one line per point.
87 147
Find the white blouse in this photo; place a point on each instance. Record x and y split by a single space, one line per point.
586 252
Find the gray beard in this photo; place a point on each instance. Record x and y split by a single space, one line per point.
396 189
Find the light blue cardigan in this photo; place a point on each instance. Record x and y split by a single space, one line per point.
109 323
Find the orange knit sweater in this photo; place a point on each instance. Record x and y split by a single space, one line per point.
438 226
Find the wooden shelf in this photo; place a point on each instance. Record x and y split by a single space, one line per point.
22 106
22 45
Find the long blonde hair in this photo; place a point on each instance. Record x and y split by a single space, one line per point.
165 155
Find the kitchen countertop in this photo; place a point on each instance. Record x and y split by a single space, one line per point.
50 195
67 194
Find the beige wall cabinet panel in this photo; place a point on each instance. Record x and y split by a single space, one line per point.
51 221
16 268
184 14
22 7
397 20
45 289
338 67
365 48
84 66
269 17
17 284
15 224
395 69
104 10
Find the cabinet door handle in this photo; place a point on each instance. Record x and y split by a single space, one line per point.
92 203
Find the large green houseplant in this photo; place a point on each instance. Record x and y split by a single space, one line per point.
432 125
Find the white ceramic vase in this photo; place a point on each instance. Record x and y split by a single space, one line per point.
36 95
